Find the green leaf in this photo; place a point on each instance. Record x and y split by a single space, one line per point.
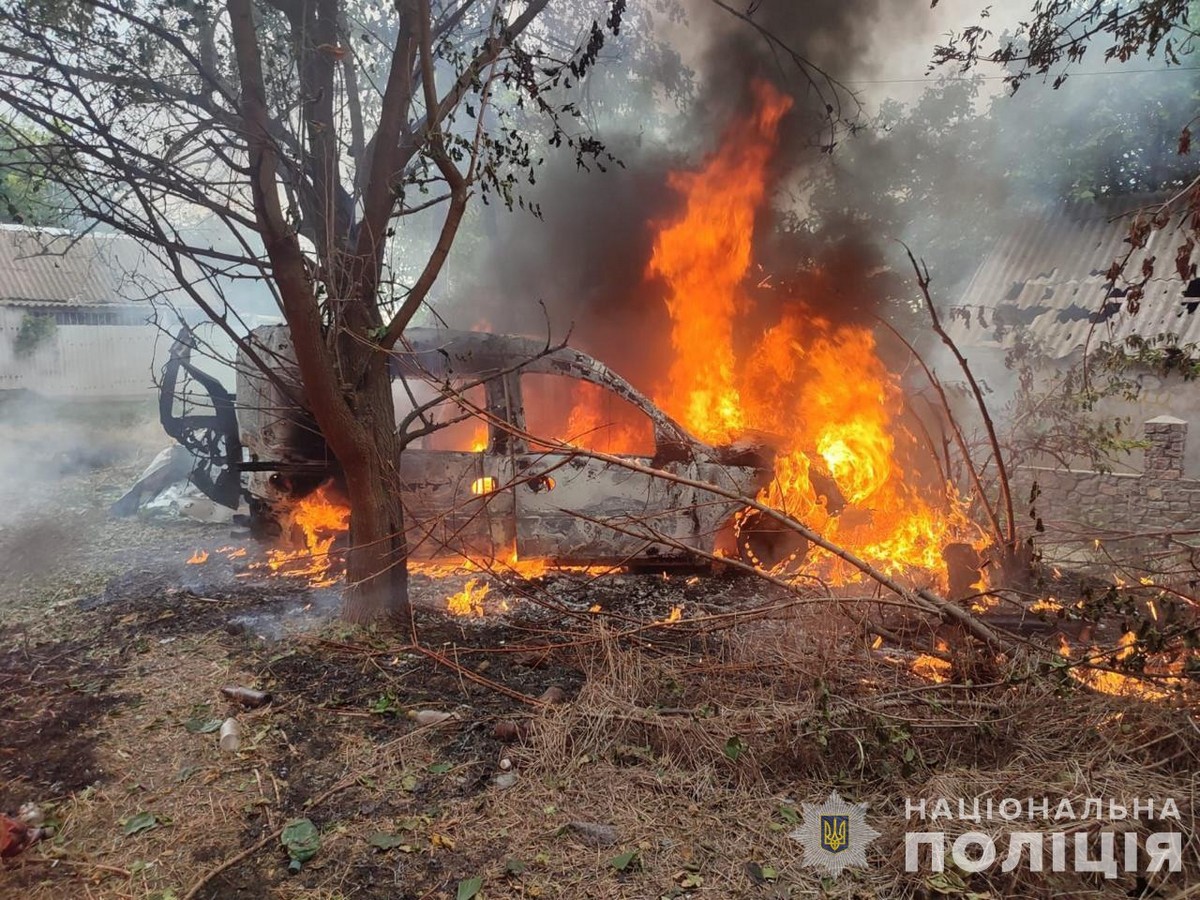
734 748
202 726
383 841
185 774
302 840
789 815
621 862
761 874
946 884
514 867
469 887
441 768
143 821
384 704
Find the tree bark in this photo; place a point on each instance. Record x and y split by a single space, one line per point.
376 567
354 413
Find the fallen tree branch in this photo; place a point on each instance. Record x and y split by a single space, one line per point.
477 678
955 429
77 863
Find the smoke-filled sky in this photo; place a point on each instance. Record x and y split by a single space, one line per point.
667 90
583 265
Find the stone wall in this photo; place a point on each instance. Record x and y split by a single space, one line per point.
1167 439
1167 395
1157 500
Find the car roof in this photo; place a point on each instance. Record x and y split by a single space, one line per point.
444 353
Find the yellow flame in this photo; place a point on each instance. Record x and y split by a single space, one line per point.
673 616
933 668
469 601
793 380
1119 684
1126 645
320 518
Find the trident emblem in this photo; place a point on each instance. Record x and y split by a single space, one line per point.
835 833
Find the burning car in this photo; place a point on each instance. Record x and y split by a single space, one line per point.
479 477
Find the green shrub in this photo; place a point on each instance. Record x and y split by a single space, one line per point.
35 330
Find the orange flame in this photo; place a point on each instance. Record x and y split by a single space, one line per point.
320 518
469 601
819 386
582 414
1163 672
200 556
704 256
606 427
932 668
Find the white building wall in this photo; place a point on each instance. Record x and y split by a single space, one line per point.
83 360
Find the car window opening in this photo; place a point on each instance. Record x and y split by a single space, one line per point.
584 415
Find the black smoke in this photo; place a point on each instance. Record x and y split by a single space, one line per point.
582 266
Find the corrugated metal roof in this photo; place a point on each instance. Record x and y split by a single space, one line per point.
1048 275
50 267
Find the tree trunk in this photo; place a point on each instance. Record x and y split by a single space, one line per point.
376 569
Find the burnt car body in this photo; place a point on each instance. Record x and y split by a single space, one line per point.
512 491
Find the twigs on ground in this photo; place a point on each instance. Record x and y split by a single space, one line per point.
464 672
75 863
338 787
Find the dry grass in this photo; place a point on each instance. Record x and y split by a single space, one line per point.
645 745
670 789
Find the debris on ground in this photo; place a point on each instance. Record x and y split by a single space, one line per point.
248 697
231 735
302 840
510 730
594 834
429 716
553 695
17 836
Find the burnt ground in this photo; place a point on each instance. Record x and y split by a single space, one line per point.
674 766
